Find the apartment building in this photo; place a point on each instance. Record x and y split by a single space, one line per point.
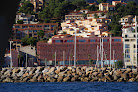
38 4
64 48
130 43
106 7
21 30
27 19
118 2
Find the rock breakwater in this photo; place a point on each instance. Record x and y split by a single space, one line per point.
67 74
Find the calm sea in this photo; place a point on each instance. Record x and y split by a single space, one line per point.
70 87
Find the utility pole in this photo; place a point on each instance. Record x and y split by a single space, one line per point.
26 59
75 49
110 52
55 59
100 51
11 55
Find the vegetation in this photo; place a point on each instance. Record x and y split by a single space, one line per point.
121 11
57 9
119 64
101 1
40 34
27 7
29 41
20 22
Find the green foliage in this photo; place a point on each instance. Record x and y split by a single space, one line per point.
40 34
119 64
29 41
102 14
57 9
27 7
101 1
96 16
121 11
91 8
20 22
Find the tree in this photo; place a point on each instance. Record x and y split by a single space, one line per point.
119 64
101 1
102 14
27 7
25 40
32 41
96 16
20 22
40 34
91 8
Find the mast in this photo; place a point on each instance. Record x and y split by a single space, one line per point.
110 52
63 58
97 57
55 59
75 49
100 50
102 53
136 39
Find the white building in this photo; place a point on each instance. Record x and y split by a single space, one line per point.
130 42
27 19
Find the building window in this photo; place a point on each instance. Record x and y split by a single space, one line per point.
17 26
70 41
53 25
92 40
127 46
30 31
117 40
39 26
31 26
134 46
18 31
104 40
82 40
125 36
35 30
127 51
58 41
25 26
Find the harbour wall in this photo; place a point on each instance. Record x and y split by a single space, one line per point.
67 74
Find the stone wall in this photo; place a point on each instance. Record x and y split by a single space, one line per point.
67 74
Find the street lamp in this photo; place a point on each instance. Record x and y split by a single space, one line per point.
10 54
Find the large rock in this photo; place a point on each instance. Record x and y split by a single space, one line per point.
8 80
66 79
16 70
60 78
52 69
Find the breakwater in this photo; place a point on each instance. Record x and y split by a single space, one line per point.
67 74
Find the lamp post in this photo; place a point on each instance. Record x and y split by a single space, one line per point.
11 54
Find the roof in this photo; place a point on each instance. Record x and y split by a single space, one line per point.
92 12
36 24
119 2
111 6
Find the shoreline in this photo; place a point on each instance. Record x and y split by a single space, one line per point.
67 74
